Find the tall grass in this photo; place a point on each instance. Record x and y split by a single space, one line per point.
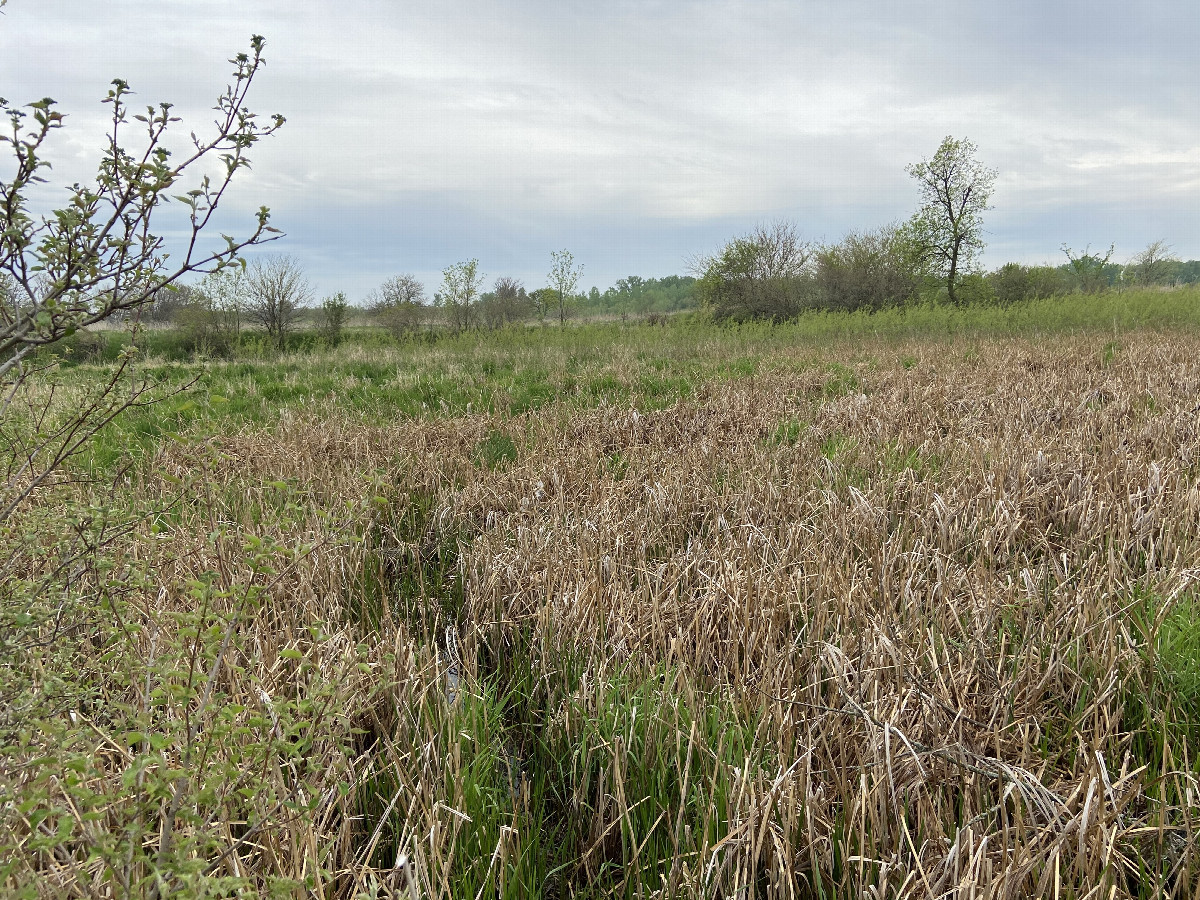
734 616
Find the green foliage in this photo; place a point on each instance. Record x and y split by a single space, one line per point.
955 189
1015 283
1089 273
564 278
841 381
334 311
786 433
762 275
870 270
459 295
506 304
191 756
99 256
636 296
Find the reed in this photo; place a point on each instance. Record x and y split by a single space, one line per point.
915 620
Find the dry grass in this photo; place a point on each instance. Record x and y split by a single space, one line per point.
897 631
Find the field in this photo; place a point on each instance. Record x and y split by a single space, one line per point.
847 608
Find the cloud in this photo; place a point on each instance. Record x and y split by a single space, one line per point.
503 131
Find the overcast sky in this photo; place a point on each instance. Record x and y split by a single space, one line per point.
638 134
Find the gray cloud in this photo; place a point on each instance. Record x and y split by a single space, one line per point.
637 133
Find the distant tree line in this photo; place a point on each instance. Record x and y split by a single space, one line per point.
770 273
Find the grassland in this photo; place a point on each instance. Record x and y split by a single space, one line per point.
856 607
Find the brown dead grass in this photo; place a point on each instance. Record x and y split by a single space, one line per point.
919 612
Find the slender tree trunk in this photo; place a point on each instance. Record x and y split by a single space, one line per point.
951 290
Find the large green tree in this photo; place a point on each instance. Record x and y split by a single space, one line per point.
955 189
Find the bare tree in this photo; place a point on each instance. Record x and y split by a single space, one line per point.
399 305
278 291
955 189
397 290
564 278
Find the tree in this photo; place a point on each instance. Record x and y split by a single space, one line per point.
278 292
1089 272
334 311
399 305
101 256
460 293
198 320
955 189
869 270
564 278
542 300
506 303
765 274
1152 265
228 293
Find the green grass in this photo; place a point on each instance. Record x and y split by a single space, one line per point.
515 371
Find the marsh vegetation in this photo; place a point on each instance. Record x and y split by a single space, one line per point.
605 611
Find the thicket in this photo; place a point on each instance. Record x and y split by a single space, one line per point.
885 268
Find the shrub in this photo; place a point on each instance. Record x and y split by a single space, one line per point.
333 313
869 270
765 274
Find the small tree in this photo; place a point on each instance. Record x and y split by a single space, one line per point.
399 305
1152 265
564 278
278 291
335 309
100 256
228 293
955 189
506 303
1089 272
629 290
460 293
543 300
199 322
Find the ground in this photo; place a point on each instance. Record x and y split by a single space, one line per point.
618 611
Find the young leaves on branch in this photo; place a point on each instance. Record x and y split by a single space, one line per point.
102 253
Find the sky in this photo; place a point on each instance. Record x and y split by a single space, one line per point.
642 135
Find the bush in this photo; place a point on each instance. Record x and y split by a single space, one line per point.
1015 283
332 318
869 270
763 275
399 305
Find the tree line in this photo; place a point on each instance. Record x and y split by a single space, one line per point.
769 273
773 273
